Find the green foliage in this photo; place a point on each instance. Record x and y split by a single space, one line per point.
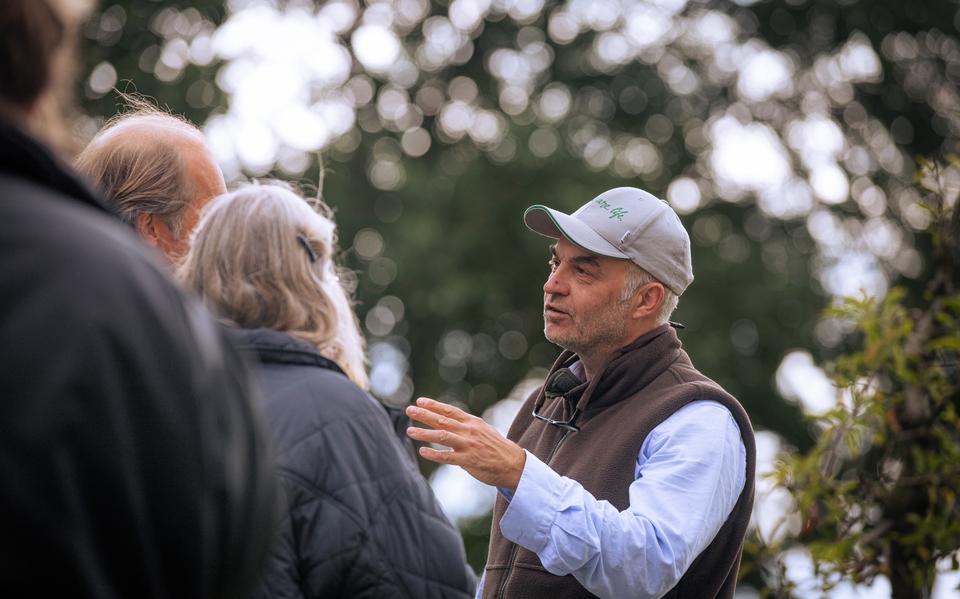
877 493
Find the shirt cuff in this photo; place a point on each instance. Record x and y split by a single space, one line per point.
534 506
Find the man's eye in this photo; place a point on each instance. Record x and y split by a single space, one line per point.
553 264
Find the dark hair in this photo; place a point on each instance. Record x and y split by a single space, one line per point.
31 32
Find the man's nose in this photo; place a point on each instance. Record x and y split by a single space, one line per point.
555 284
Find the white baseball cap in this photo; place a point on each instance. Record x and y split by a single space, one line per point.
627 223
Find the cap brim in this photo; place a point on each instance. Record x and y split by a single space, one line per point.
552 223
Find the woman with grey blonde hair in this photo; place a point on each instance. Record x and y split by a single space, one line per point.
256 274
360 521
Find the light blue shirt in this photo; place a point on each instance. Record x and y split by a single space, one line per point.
689 474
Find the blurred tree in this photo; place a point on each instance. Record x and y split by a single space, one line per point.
878 491
781 131
127 48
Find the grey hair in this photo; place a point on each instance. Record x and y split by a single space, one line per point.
635 278
138 178
262 256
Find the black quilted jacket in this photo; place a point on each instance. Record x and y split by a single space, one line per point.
361 520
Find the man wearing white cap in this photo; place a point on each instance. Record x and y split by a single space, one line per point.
628 473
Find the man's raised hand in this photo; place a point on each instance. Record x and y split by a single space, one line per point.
474 445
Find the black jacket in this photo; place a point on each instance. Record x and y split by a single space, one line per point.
361 520
131 462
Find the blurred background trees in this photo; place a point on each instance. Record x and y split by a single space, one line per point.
878 491
784 132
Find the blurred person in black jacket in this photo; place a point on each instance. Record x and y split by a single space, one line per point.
361 521
132 461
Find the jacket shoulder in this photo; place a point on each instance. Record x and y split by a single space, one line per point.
78 256
692 385
309 398
346 473
74 276
312 409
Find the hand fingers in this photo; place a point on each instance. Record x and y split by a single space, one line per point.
441 457
441 437
431 419
443 409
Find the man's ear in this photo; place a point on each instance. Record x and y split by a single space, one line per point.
648 301
146 226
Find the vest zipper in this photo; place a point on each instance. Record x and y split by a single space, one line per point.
506 575
516 548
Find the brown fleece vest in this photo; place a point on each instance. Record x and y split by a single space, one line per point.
640 387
